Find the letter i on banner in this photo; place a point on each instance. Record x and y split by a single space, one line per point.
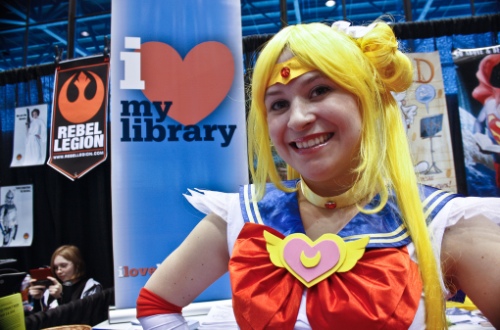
178 118
78 140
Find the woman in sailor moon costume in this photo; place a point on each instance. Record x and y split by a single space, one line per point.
383 252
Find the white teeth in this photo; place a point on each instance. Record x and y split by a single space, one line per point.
313 142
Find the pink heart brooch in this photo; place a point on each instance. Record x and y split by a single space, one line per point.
311 262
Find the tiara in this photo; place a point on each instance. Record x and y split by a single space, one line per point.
285 72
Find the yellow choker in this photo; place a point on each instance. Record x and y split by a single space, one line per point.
335 202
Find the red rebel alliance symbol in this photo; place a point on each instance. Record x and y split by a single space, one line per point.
82 109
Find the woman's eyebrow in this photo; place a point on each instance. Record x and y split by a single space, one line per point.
272 92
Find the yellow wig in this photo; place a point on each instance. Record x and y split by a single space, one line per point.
370 68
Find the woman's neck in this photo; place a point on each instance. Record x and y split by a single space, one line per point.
344 197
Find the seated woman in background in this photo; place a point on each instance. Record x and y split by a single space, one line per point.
69 283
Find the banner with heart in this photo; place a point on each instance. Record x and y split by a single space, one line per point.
178 123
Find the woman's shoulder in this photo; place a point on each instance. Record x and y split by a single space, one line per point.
466 218
471 207
469 254
90 282
91 287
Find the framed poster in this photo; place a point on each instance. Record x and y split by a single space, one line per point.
478 74
30 136
16 215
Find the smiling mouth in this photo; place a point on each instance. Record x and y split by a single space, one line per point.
311 143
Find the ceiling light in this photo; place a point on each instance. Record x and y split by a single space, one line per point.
330 3
84 34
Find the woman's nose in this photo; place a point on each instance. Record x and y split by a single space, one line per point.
301 115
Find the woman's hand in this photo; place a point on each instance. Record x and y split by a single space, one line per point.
36 291
55 290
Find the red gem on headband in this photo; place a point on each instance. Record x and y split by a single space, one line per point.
285 72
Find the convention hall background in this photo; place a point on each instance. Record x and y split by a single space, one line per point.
35 34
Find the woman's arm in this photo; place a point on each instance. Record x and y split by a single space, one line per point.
471 262
200 260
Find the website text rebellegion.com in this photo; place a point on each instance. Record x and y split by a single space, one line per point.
80 154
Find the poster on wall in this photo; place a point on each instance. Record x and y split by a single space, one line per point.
78 139
425 118
178 119
16 215
30 136
478 74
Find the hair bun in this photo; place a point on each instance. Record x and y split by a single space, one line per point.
394 68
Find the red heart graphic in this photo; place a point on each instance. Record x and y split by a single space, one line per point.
195 86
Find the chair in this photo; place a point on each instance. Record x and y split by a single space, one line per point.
10 281
71 327
90 310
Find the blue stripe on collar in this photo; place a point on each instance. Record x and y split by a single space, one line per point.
280 211
433 200
385 228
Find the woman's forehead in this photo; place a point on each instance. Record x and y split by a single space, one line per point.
286 54
60 259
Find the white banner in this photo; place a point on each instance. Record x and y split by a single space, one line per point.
177 122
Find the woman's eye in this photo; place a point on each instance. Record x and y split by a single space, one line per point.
320 90
279 105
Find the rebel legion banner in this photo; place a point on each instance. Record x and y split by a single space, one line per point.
178 122
78 140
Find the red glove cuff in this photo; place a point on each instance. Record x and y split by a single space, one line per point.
149 303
